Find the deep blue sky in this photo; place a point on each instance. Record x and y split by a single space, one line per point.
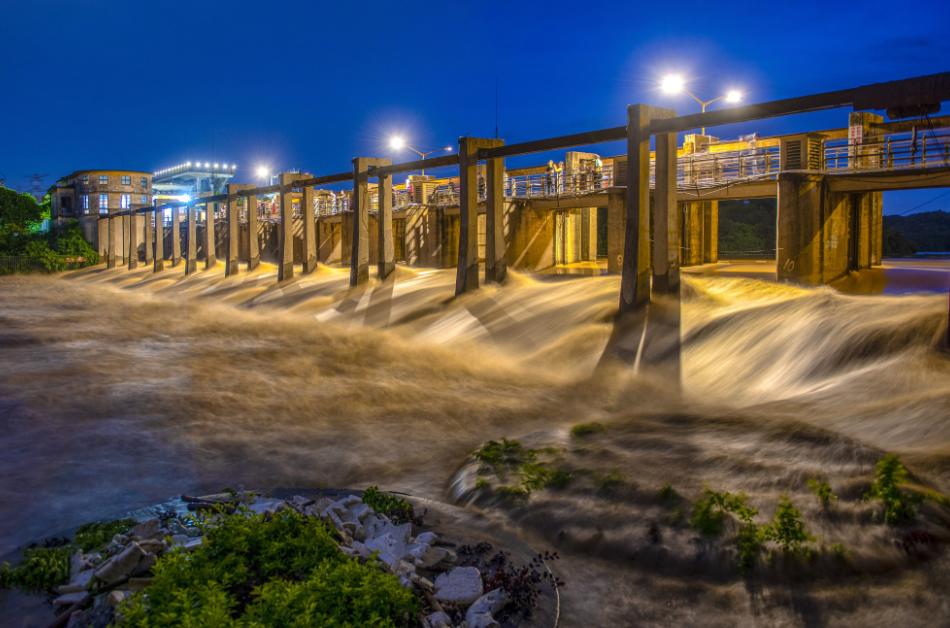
308 85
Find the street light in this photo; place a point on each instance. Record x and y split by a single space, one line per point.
676 84
398 142
263 172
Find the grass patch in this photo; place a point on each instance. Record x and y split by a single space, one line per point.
396 508
41 569
95 535
510 459
267 570
822 491
586 429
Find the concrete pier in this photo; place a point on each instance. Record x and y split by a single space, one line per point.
159 241
110 251
666 228
385 250
359 236
176 236
496 250
309 231
233 233
209 243
191 259
285 242
133 242
466 277
149 236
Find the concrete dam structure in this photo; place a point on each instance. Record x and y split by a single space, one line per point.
658 208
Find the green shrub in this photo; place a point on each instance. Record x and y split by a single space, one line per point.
586 429
787 528
259 570
70 242
709 512
47 257
94 535
822 490
898 506
335 594
504 453
748 546
668 494
41 569
537 475
396 508
609 483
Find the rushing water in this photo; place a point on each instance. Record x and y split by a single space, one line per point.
121 389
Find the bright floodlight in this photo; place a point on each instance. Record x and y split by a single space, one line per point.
672 84
263 172
397 142
733 95
448 149
185 198
216 166
207 165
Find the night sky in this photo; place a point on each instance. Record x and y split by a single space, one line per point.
309 85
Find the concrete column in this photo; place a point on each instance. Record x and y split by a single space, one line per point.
309 232
386 253
159 242
864 140
666 222
114 224
133 243
466 277
800 218
210 257
176 236
149 235
496 251
710 232
359 249
253 243
635 272
234 233
285 242
102 241
191 259
616 227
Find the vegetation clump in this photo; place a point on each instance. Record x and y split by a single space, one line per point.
40 569
586 429
822 491
787 528
396 508
94 535
709 512
898 506
267 570
509 457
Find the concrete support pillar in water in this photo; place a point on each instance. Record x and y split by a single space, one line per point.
466 277
133 241
359 249
233 232
865 135
285 243
635 270
253 242
159 242
149 235
496 250
309 231
666 223
209 244
114 222
176 236
191 259
386 252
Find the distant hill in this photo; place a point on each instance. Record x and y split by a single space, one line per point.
926 231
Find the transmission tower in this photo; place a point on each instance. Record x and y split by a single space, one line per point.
36 184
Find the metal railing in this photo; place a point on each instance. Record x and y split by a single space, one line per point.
920 148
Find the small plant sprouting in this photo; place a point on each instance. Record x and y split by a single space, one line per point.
898 506
822 490
586 429
709 512
668 494
787 528
396 508
609 483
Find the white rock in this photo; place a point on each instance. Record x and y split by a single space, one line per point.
146 530
116 597
427 537
432 557
389 543
121 565
481 613
439 620
76 563
68 599
462 585
267 506
359 511
79 583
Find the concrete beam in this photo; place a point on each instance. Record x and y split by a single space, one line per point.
191 259
466 277
210 256
159 242
496 267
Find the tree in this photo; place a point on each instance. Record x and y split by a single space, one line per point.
19 214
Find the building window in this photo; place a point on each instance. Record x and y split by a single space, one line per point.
103 203
144 183
124 200
144 199
103 179
125 180
85 179
85 203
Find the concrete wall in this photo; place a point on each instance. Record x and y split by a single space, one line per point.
531 235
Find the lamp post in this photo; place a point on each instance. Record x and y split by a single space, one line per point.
676 84
397 143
